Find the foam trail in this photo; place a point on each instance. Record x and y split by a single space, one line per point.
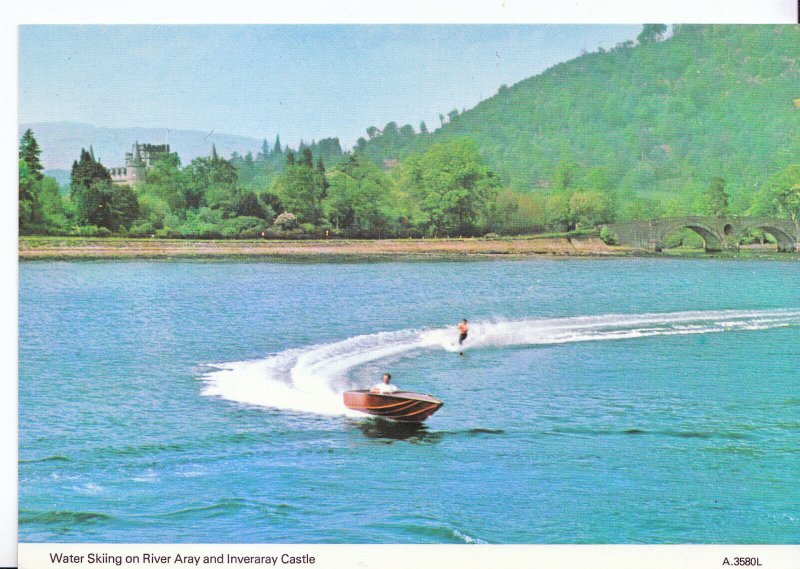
311 379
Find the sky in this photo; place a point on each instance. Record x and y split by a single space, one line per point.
302 82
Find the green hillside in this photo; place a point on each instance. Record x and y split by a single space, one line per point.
659 118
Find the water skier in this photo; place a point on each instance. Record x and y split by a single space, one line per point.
463 330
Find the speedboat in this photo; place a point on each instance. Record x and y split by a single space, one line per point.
404 406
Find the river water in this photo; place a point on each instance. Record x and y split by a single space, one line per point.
597 401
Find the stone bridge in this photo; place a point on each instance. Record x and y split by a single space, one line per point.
718 232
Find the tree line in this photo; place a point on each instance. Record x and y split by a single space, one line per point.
445 189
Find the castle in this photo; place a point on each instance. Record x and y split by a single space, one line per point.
137 161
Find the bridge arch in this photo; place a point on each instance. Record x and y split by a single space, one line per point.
786 242
712 240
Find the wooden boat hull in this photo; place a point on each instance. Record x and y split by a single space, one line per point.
404 406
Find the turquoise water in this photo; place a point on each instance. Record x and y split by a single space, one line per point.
621 401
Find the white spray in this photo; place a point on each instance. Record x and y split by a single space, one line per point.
311 379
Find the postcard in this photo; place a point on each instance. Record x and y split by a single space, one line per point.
286 288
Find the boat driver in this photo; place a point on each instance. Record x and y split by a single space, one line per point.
384 386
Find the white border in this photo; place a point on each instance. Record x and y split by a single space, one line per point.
410 11
37 556
299 11
8 300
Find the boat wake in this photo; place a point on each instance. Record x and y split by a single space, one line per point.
311 379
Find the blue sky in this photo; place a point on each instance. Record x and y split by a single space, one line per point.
304 82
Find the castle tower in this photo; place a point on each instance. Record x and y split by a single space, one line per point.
135 166
137 161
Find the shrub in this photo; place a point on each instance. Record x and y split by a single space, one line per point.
608 237
203 223
285 221
146 228
244 226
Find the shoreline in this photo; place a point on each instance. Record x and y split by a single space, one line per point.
63 248
115 248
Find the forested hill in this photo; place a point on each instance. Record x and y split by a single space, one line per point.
663 117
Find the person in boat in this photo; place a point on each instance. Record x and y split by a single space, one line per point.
384 386
463 330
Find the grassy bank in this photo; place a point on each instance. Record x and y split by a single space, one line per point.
122 248
66 248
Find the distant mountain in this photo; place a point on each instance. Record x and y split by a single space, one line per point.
61 142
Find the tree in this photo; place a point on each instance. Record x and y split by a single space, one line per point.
264 150
359 197
29 152
789 202
53 211
406 131
124 207
210 182
328 148
301 192
453 188
716 198
557 212
423 128
180 189
590 208
28 206
247 205
390 130
276 148
86 172
780 194
306 158
518 212
91 191
651 33
94 205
